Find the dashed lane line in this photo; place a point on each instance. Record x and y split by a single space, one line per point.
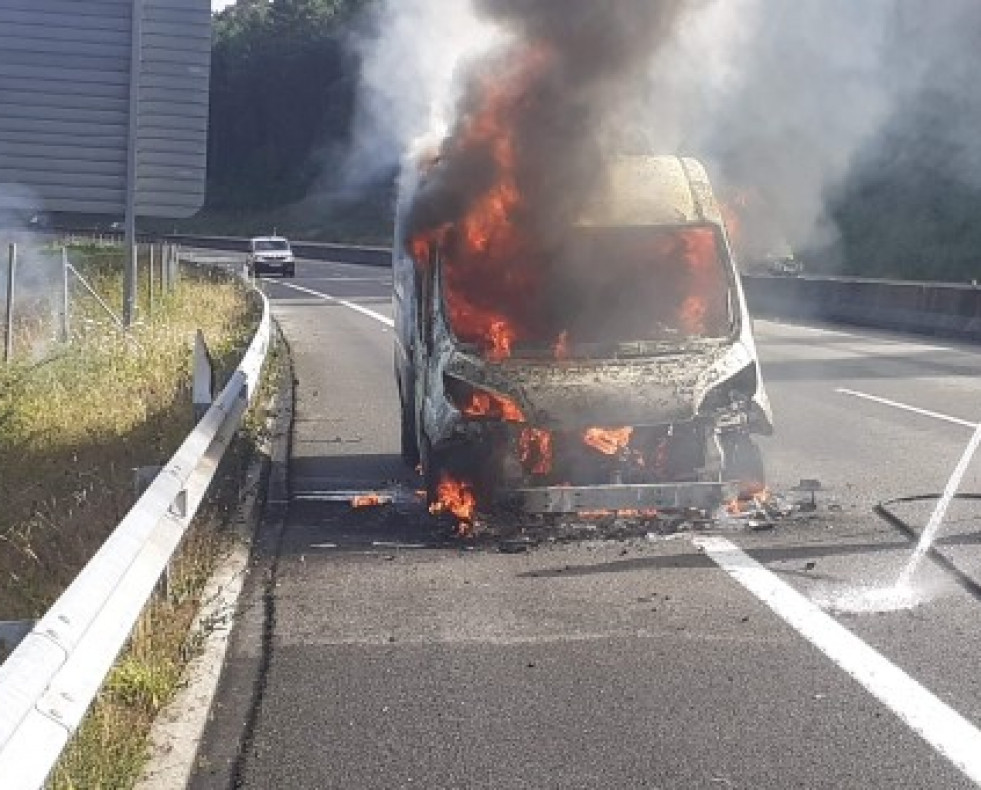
350 305
906 407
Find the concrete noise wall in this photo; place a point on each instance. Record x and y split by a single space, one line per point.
947 309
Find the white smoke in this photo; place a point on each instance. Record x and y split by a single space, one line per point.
408 88
778 98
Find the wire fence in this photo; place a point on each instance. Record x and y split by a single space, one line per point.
54 295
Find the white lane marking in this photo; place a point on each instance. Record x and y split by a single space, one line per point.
383 280
814 330
939 725
906 407
351 305
867 343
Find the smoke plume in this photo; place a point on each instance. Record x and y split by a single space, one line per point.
789 104
533 114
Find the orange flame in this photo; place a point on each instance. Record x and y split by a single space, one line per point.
485 273
456 497
751 497
535 448
487 404
562 346
700 253
733 223
608 441
367 500
501 336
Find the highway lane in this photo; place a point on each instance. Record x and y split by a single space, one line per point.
369 653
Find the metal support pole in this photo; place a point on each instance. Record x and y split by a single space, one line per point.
8 345
132 161
65 303
149 282
175 267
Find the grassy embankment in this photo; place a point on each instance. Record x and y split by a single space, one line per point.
72 429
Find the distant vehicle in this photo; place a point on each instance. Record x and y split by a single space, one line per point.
270 254
785 266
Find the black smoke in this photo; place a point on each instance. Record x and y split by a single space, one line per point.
557 85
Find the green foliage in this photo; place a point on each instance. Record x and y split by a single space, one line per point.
283 90
144 682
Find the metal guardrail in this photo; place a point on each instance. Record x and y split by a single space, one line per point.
315 250
48 682
938 309
930 308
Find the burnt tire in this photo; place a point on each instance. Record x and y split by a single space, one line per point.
408 440
432 471
743 463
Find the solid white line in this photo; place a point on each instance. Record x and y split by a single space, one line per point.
906 407
385 280
351 305
942 727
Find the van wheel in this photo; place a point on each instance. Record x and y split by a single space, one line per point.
409 441
742 462
432 472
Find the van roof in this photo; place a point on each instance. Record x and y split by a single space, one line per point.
652 190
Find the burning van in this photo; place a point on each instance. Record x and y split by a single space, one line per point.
607 367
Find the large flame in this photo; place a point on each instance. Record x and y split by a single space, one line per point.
488 279
456 497
487 404
535 449
608 441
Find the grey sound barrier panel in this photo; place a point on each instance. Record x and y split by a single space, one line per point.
65 105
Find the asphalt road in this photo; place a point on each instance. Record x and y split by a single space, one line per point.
371 652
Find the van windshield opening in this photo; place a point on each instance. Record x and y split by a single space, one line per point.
601 286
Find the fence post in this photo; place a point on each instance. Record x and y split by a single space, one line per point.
149 282
65 304
8 345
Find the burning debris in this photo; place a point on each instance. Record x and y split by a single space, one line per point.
370 500
608 441
456 497
549 286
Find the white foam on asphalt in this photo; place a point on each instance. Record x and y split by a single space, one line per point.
869 599
939 725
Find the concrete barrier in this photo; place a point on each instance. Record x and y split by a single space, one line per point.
318 251
944 309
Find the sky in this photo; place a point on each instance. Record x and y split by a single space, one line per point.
217 5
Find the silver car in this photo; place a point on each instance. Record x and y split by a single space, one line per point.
270 255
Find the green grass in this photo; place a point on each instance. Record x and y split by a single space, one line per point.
72 428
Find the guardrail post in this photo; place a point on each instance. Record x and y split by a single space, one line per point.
149 282
202 392
175 261
8 345
65 304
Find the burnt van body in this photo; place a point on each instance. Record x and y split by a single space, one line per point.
635 383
